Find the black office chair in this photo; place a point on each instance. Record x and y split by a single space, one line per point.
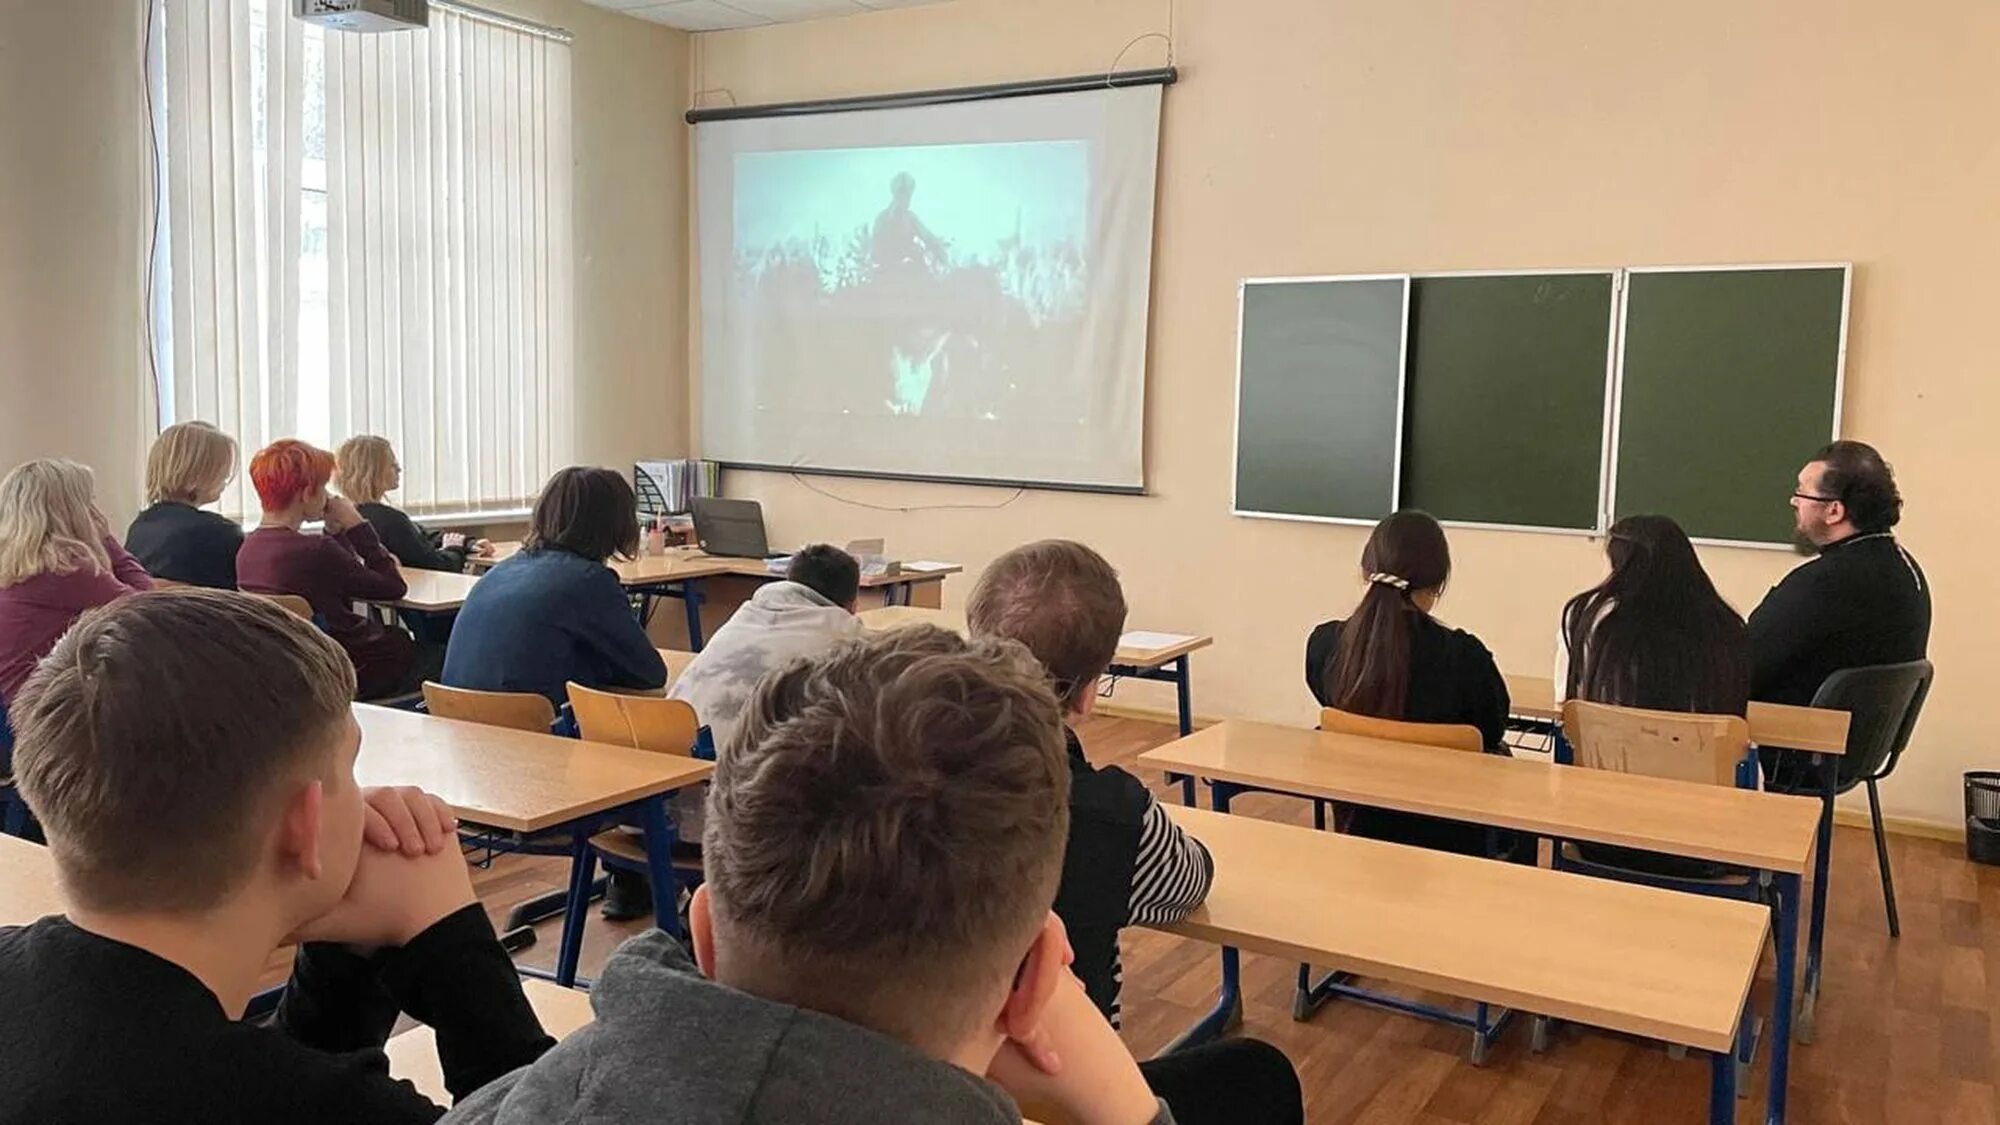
1883 701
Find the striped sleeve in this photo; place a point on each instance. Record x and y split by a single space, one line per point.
1173 871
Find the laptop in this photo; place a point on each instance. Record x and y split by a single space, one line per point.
731 528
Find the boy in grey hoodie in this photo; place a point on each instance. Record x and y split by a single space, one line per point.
874 941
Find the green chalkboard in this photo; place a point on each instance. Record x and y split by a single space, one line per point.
1505 407
1319 383
1730 383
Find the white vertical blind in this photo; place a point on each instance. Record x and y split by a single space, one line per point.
450 248
232 78
435 306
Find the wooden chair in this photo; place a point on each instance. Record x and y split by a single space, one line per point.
1445 736
515 710
1708 749
677 663
642 722
1677 746
294 604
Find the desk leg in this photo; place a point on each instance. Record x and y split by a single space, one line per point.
1789 897
1184 695
582 866
1722 1083
1228 1010
660 866
1822 872
691 600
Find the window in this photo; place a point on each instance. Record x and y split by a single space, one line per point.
369 233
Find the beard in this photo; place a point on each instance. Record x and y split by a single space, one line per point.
1803 544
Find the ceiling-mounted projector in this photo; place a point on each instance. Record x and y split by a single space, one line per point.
364 15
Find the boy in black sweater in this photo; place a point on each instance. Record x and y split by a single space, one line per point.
191 755
1127 862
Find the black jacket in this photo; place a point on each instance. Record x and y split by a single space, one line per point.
1126 863
1453 679
104 1033
182 543
1863 601
413 546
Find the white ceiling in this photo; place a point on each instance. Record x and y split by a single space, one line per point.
722 15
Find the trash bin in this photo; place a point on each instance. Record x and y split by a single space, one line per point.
1982 816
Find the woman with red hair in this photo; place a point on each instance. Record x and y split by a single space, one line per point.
333 570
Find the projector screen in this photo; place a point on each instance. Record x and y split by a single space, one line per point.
952 291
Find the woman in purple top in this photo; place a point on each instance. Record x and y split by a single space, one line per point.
58 558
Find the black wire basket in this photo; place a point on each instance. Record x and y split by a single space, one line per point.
1982 816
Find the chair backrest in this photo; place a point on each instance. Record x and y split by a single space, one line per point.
1446 736
643 722
518 710
677 662
1882 702
1710 749
291 603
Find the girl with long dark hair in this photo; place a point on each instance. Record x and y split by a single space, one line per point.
1391 659
1654 633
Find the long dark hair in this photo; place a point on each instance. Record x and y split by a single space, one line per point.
587 512
1370 670
1655 633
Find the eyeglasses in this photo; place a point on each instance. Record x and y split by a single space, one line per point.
1815 499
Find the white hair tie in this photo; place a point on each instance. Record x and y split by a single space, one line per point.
1391 581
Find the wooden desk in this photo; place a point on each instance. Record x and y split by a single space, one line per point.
413 1054
434 591
27 883
516 780
1771 832
711 588
523 782
1768 831
1634 959
1167 663
1771 724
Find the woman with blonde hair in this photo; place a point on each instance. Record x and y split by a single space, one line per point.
191 463
366 471
58 558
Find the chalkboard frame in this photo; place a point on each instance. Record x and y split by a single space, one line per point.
1615 407
1614 376
1402 396
1613 357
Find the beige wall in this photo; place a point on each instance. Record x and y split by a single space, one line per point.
1334 136
72 191
74 221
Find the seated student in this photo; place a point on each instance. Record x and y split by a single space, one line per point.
1862 600
331 571
1392 660
191 754
57 559
189 466
1126 862
366 470
874 939
803 616
1653 634
554 612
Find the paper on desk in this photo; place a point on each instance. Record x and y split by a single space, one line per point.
922 566
1145 640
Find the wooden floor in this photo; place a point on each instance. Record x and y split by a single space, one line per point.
1905 1031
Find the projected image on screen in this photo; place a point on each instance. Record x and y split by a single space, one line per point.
953 291
955 272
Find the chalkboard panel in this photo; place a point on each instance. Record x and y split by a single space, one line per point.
1319 388
1730 383
1505 414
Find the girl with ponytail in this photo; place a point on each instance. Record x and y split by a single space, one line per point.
1392 659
